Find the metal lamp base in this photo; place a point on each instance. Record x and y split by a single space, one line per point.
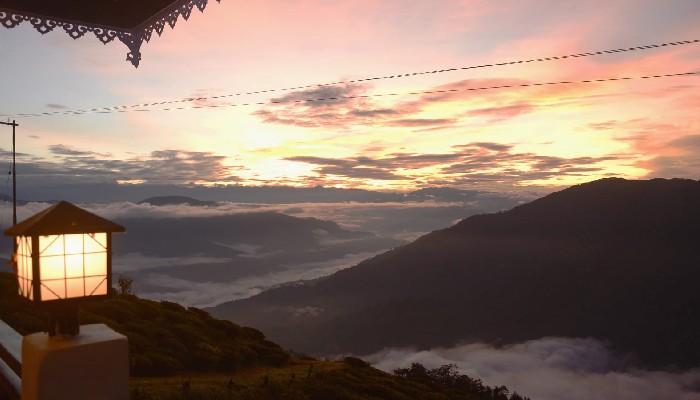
62 320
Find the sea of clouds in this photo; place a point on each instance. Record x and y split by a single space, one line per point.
404 220
208 293
553 368
400 220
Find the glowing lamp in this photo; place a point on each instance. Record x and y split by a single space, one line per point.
63 254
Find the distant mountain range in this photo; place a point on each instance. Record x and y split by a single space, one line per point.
612 259
237 234
4 197
175 200
421 195
223 249
112 192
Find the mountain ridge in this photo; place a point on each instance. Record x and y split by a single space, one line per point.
175 200
586 261
114 192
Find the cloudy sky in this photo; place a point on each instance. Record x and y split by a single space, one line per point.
428 119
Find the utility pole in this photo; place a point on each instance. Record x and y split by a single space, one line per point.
14 172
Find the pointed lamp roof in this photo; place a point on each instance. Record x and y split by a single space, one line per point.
63 218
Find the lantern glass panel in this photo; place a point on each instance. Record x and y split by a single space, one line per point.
53 290
95 286
73 265
75 287
52 268
73 244
96 264
51 245
96 242
24 266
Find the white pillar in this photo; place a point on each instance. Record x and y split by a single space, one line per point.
91 366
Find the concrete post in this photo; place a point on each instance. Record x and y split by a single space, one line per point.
91 366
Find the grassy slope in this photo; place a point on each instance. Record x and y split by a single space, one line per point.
300 379
164 338
184 353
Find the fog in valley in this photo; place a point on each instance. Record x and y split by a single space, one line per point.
205 255
553 368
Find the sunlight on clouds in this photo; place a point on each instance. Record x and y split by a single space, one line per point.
195 62
272 169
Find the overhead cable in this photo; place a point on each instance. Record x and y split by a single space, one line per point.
335 98
393 76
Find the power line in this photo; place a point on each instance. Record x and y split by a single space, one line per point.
310 100
393 76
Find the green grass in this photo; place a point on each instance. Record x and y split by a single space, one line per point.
239 385
350 379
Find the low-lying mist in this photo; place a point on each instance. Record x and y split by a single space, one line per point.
171 254
553 368
207 292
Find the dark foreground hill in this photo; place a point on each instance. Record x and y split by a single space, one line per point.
164 337
196 356
613 259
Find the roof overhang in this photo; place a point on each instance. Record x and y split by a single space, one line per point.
60 219
131 21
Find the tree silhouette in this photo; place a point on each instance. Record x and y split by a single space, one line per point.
125 285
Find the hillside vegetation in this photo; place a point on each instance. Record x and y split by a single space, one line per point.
164 338
184 353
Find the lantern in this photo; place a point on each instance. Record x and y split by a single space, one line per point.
63 254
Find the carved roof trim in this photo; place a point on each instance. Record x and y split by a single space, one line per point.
133 38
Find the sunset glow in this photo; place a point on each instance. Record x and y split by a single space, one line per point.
403 132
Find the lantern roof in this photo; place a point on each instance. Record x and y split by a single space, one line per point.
130 21
63 218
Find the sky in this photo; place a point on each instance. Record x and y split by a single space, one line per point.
391 134
415 130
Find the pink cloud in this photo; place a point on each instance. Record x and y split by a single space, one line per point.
503 112
680 158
